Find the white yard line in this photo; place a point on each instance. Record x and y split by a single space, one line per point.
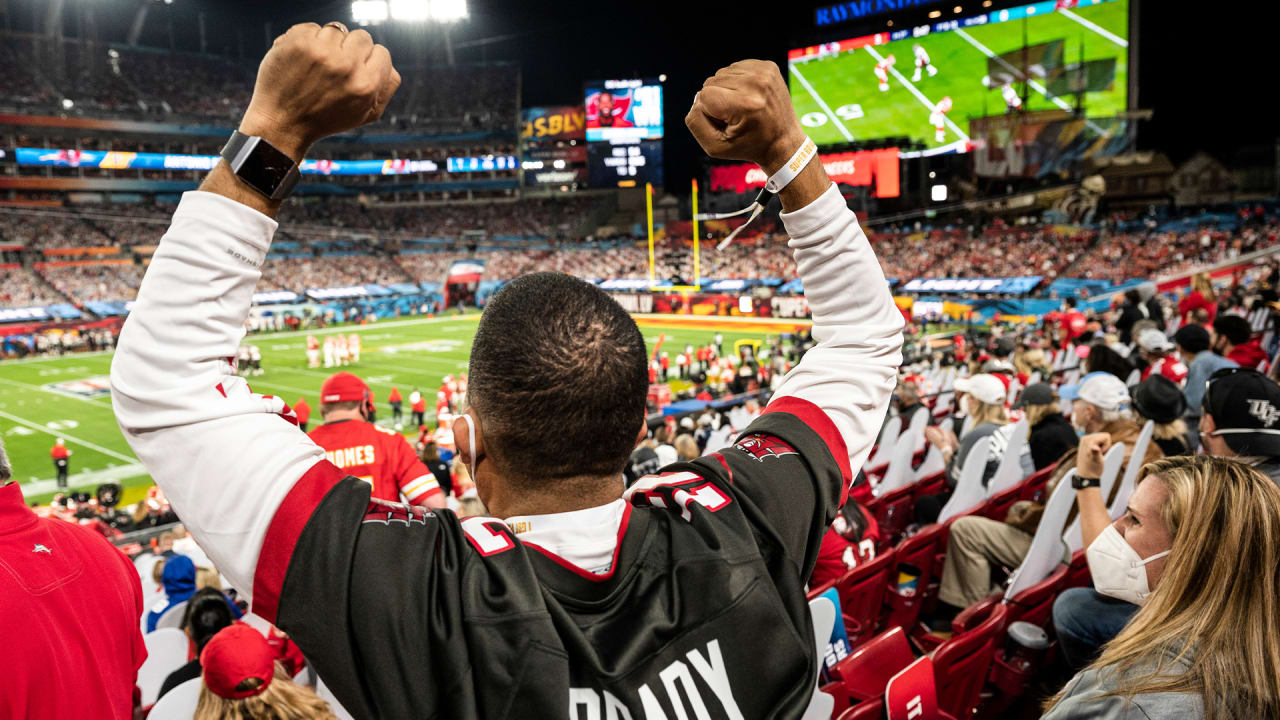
68 438
822 104
91 478
919 95
1095 27
1035 84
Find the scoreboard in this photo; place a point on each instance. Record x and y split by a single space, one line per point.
624 132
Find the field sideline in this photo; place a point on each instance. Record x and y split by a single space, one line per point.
45 398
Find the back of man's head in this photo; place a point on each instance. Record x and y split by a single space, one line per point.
1234 328
207 612
558 379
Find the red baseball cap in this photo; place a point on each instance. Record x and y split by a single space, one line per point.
237 653
343 387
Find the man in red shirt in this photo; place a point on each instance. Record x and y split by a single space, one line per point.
396 402
61 461
1073 321
380 457
303 411
71 605
1158 352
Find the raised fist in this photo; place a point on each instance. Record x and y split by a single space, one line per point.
318 81
744 112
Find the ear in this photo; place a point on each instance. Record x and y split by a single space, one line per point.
644 430
462 439
1207 425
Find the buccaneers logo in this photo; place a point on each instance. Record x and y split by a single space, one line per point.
763 446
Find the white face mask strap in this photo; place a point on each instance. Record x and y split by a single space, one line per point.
471 444
1153 558
774 185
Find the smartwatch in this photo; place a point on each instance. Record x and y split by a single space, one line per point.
1080 483
261 166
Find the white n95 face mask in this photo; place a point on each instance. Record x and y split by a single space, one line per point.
1117 569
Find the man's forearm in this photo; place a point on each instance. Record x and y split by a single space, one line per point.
1094 517
852 371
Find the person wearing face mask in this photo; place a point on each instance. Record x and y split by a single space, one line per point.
1197 558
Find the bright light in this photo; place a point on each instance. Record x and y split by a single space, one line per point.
662 77
938 193
531 165
744 305
410 10
932 174
935 13
67 104
558 164
957 9
448 10
368 12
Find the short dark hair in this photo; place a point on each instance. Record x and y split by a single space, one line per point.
326 408
559 377
1070 302
207 613
1103 359
1234 328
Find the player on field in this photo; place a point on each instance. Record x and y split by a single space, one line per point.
1012 102
328 351
255 360
938 117
682 598
922 63
882 72
378 456
353 347
340 353
313 352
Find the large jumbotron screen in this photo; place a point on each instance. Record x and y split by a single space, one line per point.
1031 57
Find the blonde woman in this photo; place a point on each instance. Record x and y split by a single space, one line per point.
1198 549
243 681
686 448
1201 297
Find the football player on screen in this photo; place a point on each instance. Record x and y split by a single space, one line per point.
1012 102
938 118
922 63
882 72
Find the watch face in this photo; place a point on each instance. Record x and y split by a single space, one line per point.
265 168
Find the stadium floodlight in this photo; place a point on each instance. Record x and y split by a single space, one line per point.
939 193
662 77
369 12
446 11
410 10
67 104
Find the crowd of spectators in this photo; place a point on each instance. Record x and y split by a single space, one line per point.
94 283
19 287
46 230
329 271
107 79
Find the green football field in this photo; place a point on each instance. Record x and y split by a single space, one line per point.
856 110
42 399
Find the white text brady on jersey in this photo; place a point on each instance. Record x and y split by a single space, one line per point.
677 683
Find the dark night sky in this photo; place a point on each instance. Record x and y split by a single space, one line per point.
1207 75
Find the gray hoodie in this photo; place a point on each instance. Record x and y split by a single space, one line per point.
1080 701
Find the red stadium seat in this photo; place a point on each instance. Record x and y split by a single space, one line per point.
1035 604
920 551
862 592
866 671
892 513
961 665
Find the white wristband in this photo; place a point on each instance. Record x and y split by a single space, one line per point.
788 172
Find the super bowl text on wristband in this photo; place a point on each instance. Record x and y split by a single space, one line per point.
260 165
774 185
1080 483
791 168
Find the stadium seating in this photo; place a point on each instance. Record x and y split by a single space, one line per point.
179 703
166 650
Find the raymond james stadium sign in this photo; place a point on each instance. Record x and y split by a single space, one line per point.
859 9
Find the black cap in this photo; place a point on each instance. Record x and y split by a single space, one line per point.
1004 347
1192 337
1038 394
1159 399
1245 406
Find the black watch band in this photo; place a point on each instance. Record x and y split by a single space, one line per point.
261 166
1080 483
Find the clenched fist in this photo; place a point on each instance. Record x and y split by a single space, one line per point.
744 112
318 81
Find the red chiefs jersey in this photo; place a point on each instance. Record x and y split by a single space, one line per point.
312 343
1170 367
380 457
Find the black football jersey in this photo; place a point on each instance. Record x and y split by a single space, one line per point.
407 613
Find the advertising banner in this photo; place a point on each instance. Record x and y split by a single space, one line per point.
1013 286
859 169
564 122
